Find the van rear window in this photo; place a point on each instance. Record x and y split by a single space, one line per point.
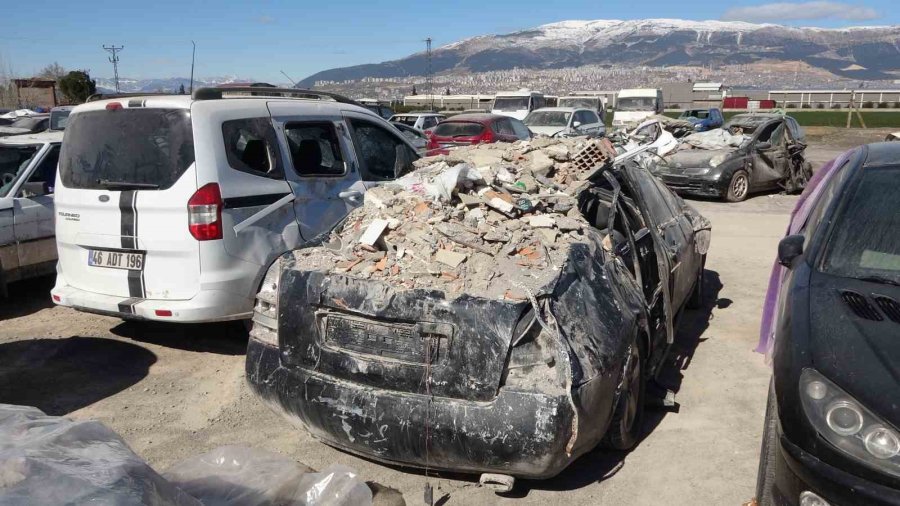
146 149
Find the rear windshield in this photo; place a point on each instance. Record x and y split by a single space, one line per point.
406 120
58 119
14 159
127 149
864 241
458 129
548 118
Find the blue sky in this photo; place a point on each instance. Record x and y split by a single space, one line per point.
258 39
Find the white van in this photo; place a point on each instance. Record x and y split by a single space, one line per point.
635 105
517 104
173 207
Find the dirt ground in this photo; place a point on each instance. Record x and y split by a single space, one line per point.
176 391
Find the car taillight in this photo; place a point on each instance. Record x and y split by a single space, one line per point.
432 144
205 213
486 137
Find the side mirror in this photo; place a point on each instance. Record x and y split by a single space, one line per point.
763 145
789 249
576 124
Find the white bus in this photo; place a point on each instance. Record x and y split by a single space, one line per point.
636 105
517 104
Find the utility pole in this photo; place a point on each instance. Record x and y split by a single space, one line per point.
114 59
429 81
193 55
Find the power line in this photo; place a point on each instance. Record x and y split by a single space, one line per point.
114 59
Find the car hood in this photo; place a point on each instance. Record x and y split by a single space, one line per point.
851 346
546 130
692 119
13 130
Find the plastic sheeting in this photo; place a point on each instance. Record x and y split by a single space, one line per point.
53 460
715 139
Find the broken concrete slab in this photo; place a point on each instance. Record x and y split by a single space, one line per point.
451 258
373 232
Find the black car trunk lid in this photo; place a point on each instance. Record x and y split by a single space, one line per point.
415 341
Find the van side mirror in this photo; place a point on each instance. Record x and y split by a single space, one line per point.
789 249
576 124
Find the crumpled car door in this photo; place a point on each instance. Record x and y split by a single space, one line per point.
770 163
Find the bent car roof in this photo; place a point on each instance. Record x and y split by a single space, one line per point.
52 136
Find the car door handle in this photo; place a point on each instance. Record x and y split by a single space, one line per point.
352 196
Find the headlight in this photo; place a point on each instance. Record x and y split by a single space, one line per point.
698 126
696 171
718 159
846 424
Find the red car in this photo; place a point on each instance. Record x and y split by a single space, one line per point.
468 129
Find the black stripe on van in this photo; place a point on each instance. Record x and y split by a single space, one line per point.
253 200
128 220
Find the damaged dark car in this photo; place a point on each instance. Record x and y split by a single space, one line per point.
750 153
483 334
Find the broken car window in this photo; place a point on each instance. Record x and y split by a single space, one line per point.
44 175
381 154
315 149
252 147
144 146
12 160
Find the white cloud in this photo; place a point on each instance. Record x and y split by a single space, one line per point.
782 12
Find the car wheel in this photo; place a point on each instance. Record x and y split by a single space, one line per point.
628 418
695 301
765 477
738 187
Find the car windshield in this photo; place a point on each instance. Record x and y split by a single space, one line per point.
13 160
745 124
406 120
697 113
636 104
458 129
548 118
586 102
510 103
127 148
58 119
864 242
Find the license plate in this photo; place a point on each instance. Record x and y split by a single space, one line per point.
116 259
403 341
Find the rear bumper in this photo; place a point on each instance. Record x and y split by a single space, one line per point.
798 471
522 434
206 306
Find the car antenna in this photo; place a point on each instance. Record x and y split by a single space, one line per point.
294 83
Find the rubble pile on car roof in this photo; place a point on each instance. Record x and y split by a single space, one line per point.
492 220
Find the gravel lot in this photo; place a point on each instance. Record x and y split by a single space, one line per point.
176 391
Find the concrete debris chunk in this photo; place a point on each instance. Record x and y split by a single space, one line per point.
451 258
373 232
495 220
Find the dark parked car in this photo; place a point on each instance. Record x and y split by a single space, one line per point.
703 119
752 153
468 382
26 125
469 129
832 325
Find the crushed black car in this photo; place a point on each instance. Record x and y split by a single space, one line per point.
500 310
750 153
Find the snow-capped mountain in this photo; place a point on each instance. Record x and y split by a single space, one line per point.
652 42
150 85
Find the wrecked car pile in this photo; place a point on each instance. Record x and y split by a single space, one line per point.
492 221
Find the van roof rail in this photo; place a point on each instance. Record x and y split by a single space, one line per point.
104 96
215 93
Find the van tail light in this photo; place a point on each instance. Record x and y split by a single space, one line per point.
205 213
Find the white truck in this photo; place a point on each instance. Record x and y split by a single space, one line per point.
517 104
635 105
